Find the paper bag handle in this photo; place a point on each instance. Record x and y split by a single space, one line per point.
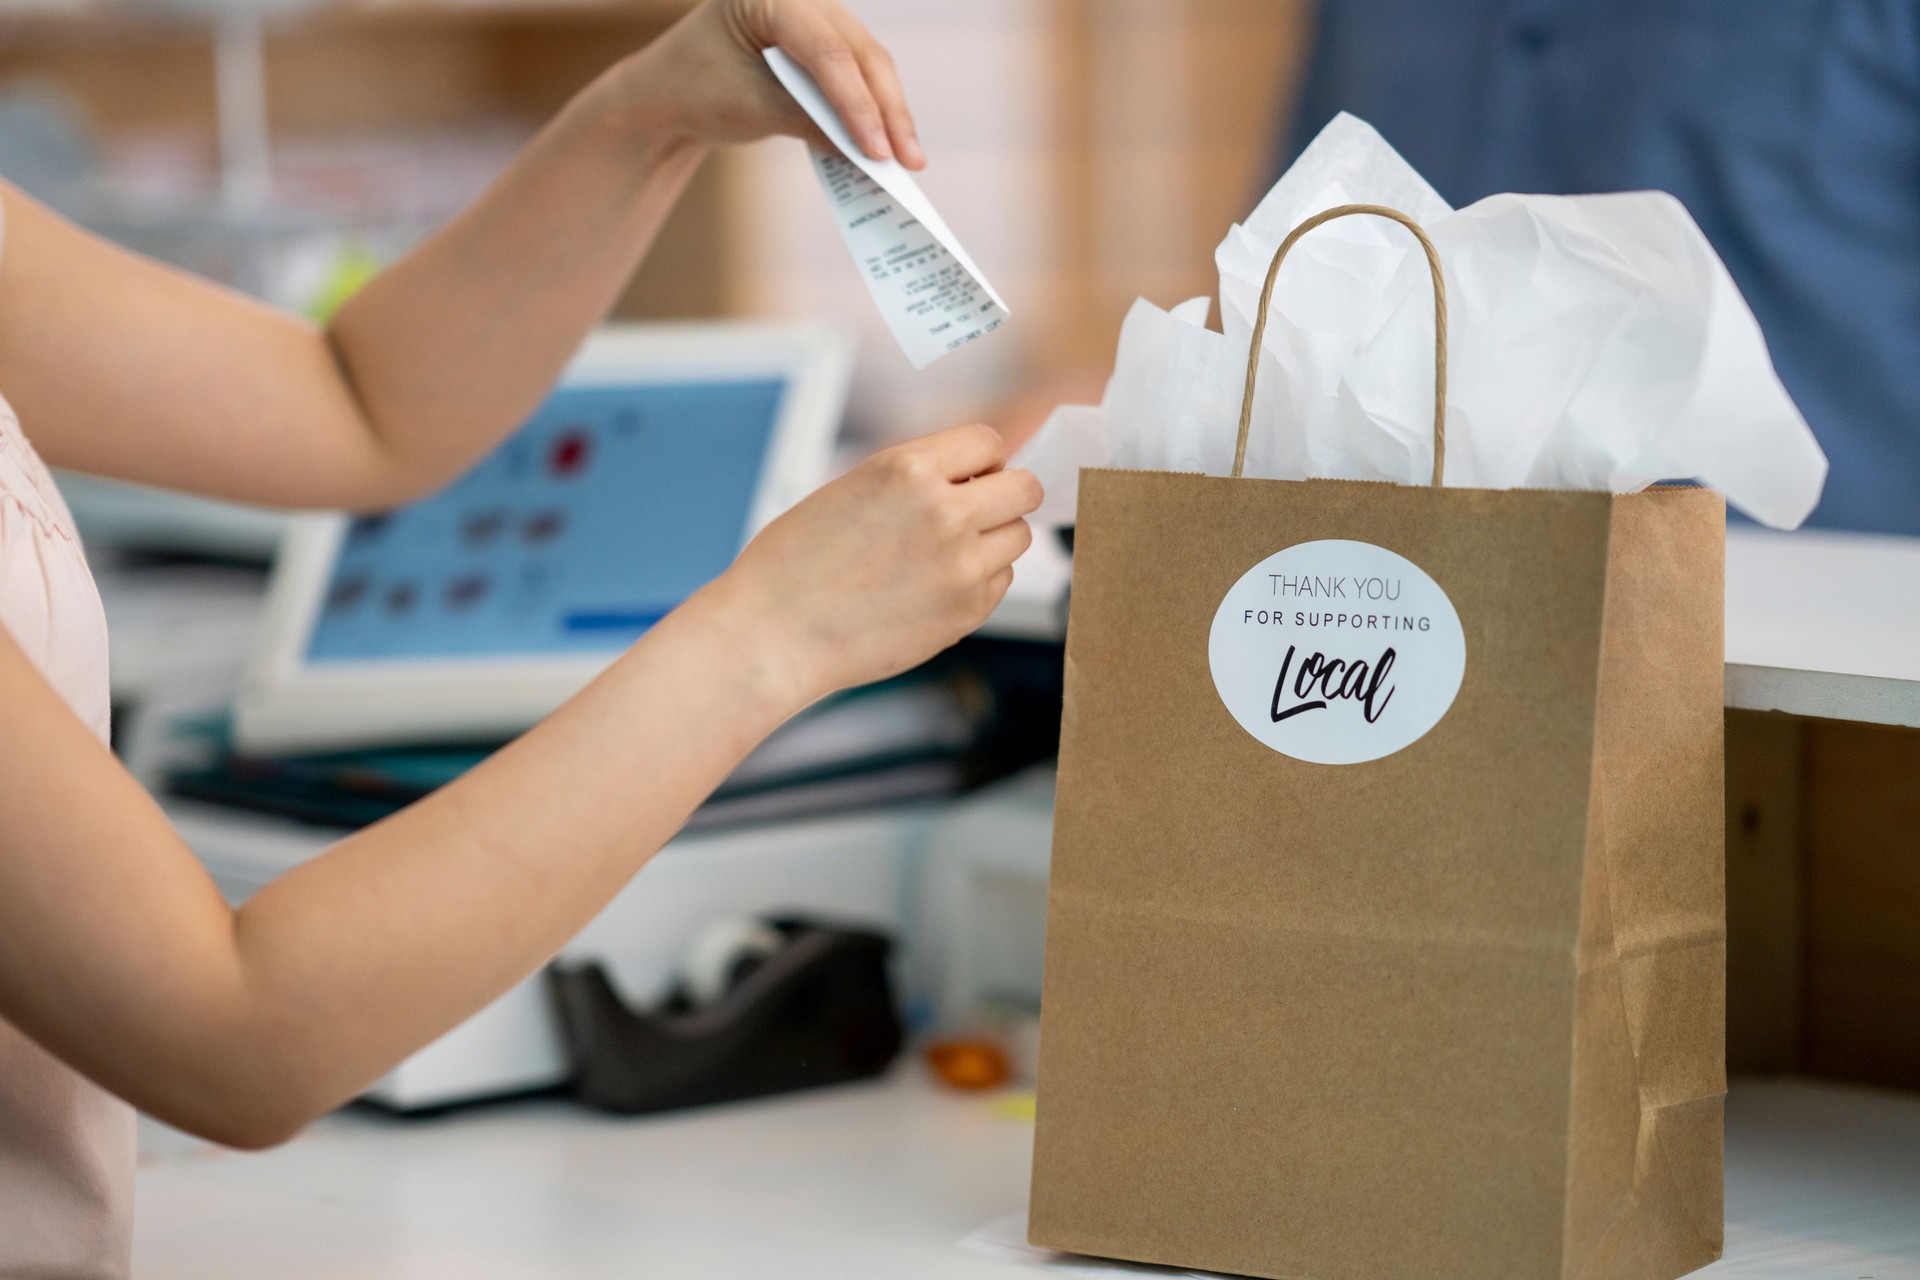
1439 327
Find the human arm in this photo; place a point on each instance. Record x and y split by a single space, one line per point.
118 954
123 367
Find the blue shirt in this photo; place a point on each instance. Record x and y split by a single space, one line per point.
1789 128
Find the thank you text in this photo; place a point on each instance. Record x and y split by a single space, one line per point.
1336 651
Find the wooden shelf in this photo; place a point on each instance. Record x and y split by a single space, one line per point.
371 66
353 65
121 14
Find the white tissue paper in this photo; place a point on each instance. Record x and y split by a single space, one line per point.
1597 343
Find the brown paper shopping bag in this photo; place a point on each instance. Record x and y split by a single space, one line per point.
1385 931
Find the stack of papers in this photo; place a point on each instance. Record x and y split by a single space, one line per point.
905 739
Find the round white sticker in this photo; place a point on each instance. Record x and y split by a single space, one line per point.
1337 652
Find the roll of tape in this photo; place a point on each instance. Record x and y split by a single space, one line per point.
720 952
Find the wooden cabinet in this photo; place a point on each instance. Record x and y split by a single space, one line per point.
1823 898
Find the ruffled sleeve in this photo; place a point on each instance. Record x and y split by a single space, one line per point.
48 601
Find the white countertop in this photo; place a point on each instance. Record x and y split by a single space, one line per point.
1818 623
877 1180
1824 624
864 1180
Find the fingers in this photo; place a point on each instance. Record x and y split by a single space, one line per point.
884 83
958 453
997 587
813 40
1002 546
995 499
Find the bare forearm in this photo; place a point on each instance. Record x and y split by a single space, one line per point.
122 367
116 950
117 953
245 1025
451 347
401 932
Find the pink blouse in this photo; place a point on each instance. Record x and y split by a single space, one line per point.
66 1145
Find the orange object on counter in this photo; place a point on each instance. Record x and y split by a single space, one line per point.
968 1064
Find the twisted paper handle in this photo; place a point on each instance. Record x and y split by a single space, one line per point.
1439 328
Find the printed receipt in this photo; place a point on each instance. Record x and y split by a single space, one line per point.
932 295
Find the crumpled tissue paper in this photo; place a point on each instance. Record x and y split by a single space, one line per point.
1597 343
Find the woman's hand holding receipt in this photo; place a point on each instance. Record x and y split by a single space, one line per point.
706 78
117 953
892 562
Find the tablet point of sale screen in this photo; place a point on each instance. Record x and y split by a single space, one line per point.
605 511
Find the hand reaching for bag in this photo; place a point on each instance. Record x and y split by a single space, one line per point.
886 566
706 79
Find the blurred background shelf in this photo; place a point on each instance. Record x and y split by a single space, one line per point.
1088 151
